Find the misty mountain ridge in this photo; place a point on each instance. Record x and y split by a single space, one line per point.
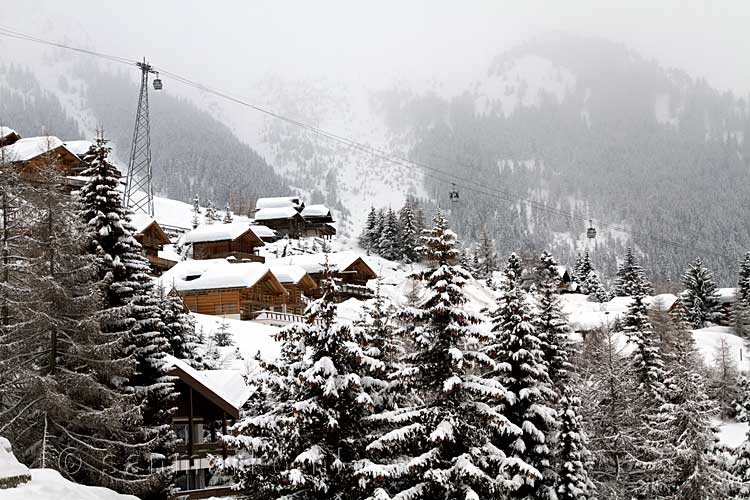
582 125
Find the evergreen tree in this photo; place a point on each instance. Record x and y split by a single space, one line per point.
630 277
366 239
179 329
700 297
513 270
522 370
435 445
389 244
305 426
131 311
210 215
228 218
377 232
685 463
222 337
571 455
741 306
487 257
196 211
648 364
582 268
409 232
60 395
595 288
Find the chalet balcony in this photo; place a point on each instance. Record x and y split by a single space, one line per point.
240 256
277 318
355 291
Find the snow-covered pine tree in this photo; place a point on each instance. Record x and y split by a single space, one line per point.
522 370
210 216
724 375
222 337
228 218
409 232
571 455
487 256
179 329
741 307
582 271
70 404
551 324
583 267
304 432
389 244
630 277
742 401
367 235
647 362
436 445
684 461
131 311
513 269
595 288
700 297
196 211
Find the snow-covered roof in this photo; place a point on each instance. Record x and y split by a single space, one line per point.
316 211
313 263
263 231
288 273
6 131
78 148
212 274
278 202
663 301
275 213
217 232
31 147
561 270
726 295
229 385
141 221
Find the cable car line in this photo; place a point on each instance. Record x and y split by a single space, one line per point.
470 185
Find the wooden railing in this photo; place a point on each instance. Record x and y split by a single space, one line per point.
357 291
278 318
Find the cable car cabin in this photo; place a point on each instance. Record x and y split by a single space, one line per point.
454 194
157 83
591 232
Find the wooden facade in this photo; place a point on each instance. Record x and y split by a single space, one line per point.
201 415
243 303
352 281
244 247
292 227
153 238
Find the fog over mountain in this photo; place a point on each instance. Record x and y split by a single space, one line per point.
597 124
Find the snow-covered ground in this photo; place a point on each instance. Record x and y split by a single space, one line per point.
46 484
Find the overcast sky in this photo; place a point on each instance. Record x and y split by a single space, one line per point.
231 44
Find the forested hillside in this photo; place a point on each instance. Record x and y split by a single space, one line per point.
193 153
588 127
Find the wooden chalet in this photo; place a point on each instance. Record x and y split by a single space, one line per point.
349 270
318 221
286 221
217 241
208 403
299 285
8 136
33 154
152 238
238 290
265 233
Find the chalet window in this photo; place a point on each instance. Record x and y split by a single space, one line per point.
191 277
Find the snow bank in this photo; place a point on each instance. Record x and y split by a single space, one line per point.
249 337
47 484
12 472
732 434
